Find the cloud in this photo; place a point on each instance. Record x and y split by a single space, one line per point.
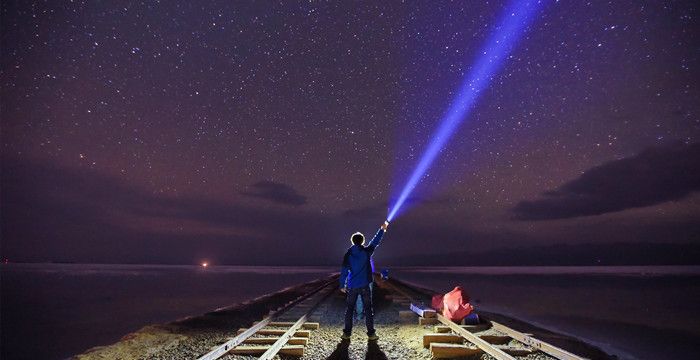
56 213
276 192
656 175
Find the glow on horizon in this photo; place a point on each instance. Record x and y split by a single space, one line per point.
518 15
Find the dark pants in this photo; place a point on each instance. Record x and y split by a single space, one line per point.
350 309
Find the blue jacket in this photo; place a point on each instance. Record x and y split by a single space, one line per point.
357 268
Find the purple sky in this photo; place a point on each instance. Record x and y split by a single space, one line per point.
259 133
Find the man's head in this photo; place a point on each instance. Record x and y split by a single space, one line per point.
357 238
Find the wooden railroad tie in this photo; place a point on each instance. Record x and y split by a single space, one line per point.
515 351
447 351
298 333
291 350
441 338
272 340
306 325
470 328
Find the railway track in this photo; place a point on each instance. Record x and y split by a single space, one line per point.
450 340
287 331
276 334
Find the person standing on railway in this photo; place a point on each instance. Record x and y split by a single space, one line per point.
356 277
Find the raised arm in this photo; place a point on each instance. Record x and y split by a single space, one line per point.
378 237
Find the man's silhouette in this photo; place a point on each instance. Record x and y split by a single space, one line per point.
355 278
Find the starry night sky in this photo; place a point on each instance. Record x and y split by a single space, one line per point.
266 133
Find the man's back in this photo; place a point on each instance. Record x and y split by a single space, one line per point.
357 259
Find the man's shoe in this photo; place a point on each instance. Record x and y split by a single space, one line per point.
372 337
345 336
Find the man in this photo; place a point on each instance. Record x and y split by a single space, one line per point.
356 277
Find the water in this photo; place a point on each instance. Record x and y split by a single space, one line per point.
52 311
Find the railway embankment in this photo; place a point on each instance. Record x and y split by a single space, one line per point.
316 309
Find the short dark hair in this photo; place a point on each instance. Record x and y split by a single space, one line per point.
357 238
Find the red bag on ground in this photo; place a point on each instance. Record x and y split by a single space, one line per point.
436 303
456 305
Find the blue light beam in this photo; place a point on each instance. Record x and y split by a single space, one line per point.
518 15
